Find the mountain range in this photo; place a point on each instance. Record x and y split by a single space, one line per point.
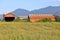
48 10
55 10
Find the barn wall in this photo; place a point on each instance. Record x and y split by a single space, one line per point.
35 18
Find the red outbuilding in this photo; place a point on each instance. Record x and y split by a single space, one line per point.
9 17
37 17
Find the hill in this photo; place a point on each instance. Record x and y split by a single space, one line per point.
21 12
55 10
48 10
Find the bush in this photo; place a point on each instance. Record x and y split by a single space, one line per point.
17 19
46 20
57 18
25 20
21 20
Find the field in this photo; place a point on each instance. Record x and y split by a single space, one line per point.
29 31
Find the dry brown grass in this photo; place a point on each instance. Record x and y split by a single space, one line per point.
29 31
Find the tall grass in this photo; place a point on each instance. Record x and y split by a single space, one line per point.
29 31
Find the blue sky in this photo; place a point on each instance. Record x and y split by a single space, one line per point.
11 5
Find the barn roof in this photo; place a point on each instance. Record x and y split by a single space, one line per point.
9 15
40 14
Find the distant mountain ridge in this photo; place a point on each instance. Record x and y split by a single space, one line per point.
48 10
21 12
55 10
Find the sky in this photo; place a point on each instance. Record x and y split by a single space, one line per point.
11 5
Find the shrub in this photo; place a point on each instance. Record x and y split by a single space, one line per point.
25 20
57 18
17 19
22 20
45 20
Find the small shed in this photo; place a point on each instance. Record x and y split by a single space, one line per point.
37 17
9 17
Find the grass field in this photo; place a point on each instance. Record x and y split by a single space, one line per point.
29 31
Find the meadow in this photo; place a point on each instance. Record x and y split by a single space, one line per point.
29 31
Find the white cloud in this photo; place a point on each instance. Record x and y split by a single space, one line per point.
56 0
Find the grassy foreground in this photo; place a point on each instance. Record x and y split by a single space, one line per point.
29 31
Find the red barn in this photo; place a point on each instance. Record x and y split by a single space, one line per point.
9 17
37 17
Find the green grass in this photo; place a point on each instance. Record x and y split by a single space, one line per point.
29 31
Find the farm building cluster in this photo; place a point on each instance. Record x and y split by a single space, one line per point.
32 17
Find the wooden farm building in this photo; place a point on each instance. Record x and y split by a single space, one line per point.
37 17
9 17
